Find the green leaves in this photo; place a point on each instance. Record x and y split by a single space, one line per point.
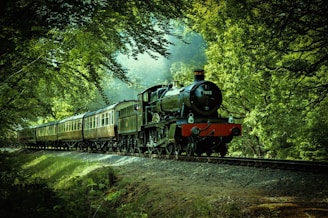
53 63
268 58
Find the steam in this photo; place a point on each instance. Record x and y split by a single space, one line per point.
146 71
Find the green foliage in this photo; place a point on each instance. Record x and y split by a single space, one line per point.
37 185
22 196
270 59
52 63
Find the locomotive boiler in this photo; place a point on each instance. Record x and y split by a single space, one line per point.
202 98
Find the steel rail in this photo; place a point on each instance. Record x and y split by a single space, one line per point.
320 167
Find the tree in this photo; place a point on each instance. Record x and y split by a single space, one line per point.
270 59
61 52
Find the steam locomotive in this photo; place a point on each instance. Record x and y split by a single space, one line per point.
165 119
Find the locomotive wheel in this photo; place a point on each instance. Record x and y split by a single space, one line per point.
131 149
223 151
138 150
198 152
209 152
190 151
150 150
191 147
158 150
169 149
177 150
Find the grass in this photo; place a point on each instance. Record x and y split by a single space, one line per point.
36 184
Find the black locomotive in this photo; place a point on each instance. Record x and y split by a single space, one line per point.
165 118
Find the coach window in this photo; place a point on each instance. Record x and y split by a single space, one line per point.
102 119
110 118
106 118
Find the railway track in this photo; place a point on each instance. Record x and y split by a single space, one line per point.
305 166
295 165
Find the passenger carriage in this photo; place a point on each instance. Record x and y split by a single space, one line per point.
70 133
46 135
26 137
100 127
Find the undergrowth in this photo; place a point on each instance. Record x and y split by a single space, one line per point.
42 185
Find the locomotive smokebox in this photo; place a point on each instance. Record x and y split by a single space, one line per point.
201 97
199 75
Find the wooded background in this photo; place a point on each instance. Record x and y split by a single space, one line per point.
60 58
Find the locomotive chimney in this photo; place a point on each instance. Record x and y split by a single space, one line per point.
199 75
